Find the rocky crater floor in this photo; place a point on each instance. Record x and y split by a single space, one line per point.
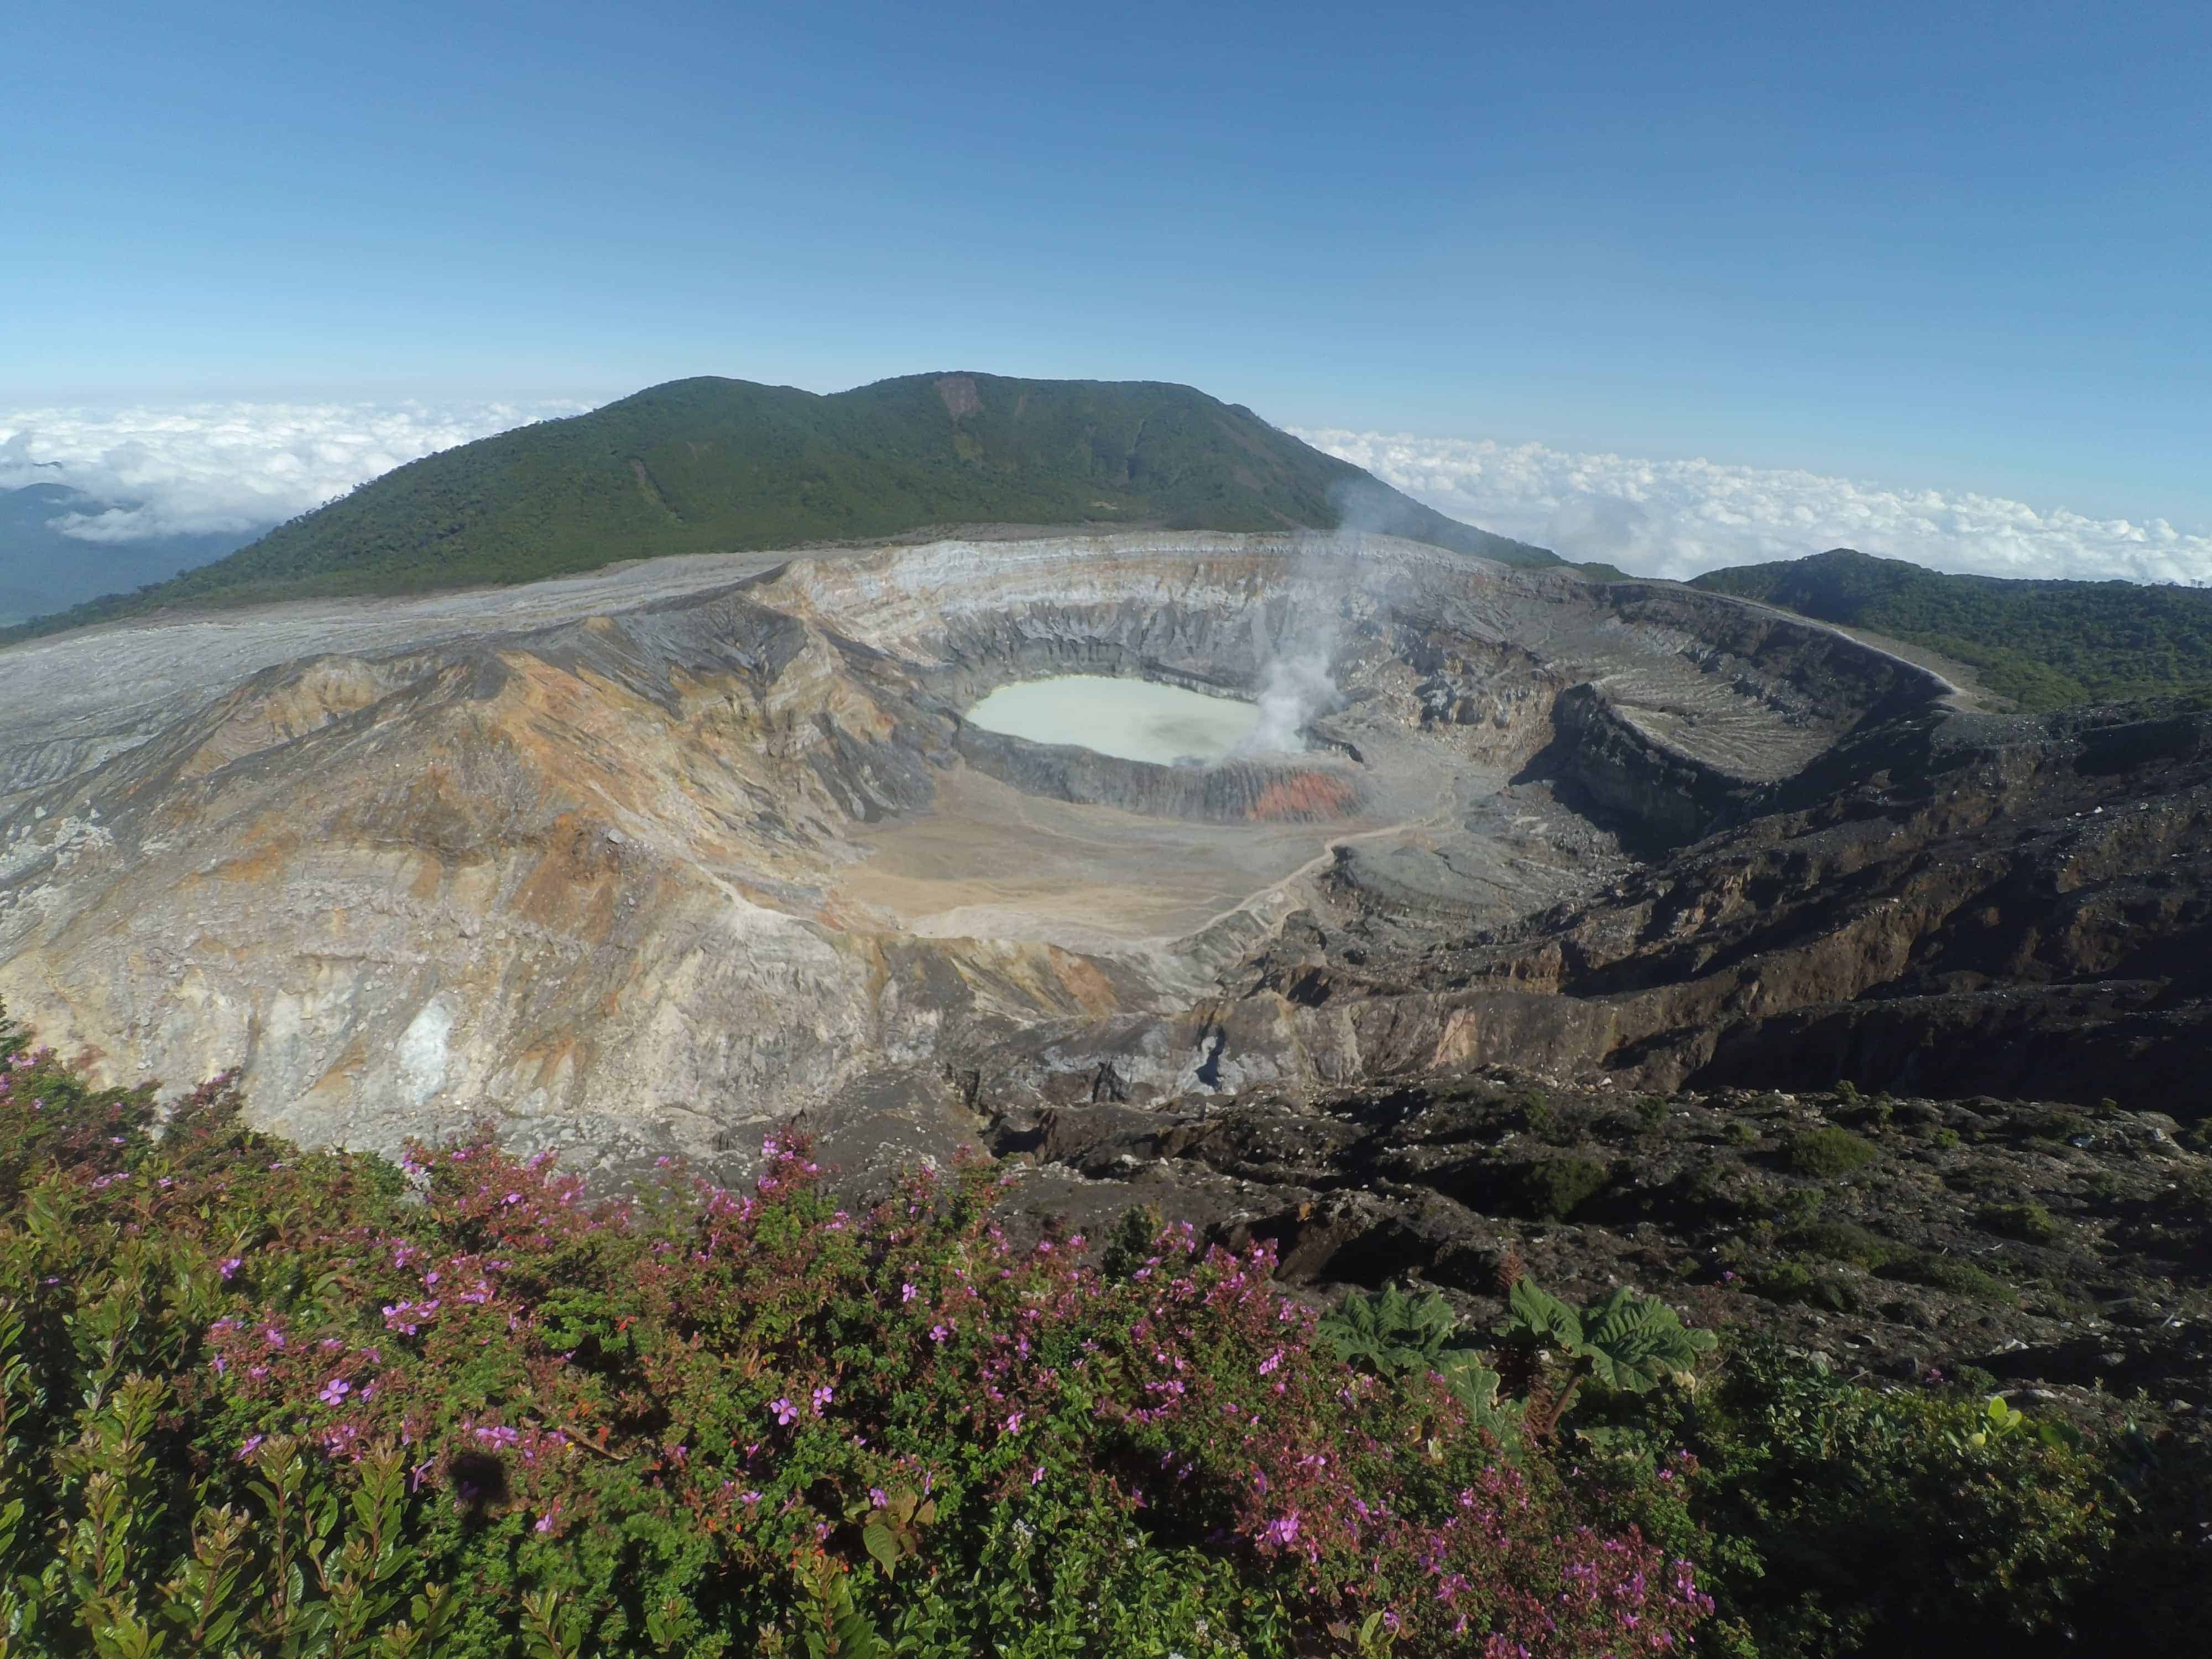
1555 932
2027 1245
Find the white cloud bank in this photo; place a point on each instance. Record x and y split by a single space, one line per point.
1679 518
237 468
229 468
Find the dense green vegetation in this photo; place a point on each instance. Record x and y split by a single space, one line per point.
2046 644
718 466
258 1401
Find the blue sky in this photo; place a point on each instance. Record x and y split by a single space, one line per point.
1957 245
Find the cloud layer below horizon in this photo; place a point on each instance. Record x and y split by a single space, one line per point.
1678 519
237 468
229 468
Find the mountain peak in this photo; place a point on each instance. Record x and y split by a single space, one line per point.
712 464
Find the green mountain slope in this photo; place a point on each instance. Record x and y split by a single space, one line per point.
2048 644
712 465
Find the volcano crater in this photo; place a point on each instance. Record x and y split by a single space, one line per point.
687 854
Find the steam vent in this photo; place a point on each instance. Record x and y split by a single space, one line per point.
635 863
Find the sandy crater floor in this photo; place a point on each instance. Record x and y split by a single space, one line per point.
988 861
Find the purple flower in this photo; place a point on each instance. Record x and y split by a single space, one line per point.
230 1265
786 1412
1284 1531
1037 1476
335 1391
822 1396
906 1293
938 1333
246 1449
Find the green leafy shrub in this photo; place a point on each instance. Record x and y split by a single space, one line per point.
1947 1272
1789 1280
1860 1520
1130 1243
1554 1188
1798 1207
1390 1335
1826 1152
1545 1120
2029 1222
1740 1134
1844 1241
1627 1342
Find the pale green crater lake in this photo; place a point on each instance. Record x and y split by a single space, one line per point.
1135 719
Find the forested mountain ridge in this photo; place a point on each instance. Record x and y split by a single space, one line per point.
710 464
2046 644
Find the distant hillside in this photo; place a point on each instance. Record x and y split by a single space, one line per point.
712 465
42 569
2048 644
